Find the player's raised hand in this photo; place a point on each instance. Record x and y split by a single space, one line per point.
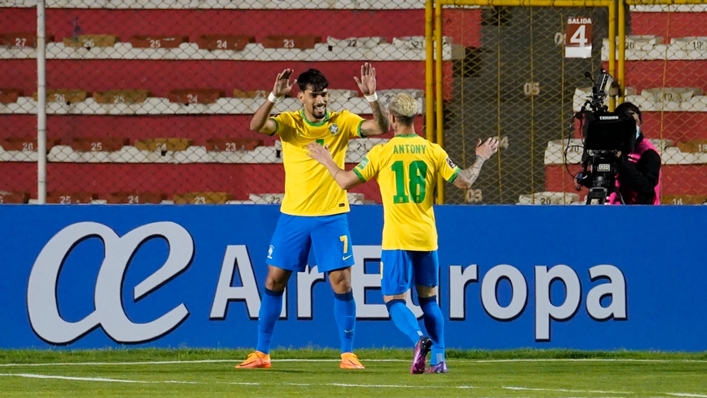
367 83
282 83
318 152
487 148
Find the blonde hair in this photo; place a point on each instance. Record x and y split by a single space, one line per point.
404 107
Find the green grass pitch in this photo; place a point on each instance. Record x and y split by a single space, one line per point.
316 373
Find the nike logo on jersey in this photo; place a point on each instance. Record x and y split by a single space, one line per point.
346 257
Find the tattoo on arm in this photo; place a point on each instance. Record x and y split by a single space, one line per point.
378 116
472 173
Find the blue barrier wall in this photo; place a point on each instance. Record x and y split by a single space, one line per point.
585 277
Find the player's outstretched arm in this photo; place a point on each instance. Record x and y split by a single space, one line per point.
484 150
261 122
367 85
345 179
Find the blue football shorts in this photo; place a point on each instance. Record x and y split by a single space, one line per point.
328 238
400 268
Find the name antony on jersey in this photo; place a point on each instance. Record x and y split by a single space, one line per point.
409 148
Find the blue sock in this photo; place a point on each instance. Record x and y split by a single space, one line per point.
345 315
270 310
404 319
434 323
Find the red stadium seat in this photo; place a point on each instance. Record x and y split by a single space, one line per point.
21 39
135 198
14 197
202 198
26 143
291 41
224 42
157 41
9 95
195 96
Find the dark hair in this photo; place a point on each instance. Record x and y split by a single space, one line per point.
312 78
628 109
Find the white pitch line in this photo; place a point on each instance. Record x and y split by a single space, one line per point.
35 376
378 385
107 380
184 362
565 390
587 360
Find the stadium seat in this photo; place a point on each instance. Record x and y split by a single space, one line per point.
266 198
135 198
9 95
157 41
232 144
21 39
224 42
163 144
693 146
99 144
13 197
68 96
683 199
250 93
26 143
353 42
549 198
121 96
66 198
412 42
197 198
195 96
303 42
670 98
90 41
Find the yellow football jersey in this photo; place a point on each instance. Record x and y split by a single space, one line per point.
309 189
406 168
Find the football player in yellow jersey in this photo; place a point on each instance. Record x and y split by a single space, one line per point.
314 207
406 168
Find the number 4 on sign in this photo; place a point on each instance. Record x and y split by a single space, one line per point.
578 37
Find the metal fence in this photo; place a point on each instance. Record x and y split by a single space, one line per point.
149 101
518 84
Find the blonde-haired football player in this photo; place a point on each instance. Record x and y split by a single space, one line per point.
406 168
314 207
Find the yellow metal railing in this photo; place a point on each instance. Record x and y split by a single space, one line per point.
434 61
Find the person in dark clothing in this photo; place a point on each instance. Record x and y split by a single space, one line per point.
638 173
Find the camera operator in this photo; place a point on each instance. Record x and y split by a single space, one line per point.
637 173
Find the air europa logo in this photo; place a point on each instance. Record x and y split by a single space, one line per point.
42 305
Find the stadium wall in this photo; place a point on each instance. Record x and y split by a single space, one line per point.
581 277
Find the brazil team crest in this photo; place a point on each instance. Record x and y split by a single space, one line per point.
333 128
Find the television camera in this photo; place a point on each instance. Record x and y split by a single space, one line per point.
607 135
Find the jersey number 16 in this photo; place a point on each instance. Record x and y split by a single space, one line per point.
415 181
